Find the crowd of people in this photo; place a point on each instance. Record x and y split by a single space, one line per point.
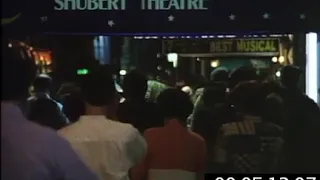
233 123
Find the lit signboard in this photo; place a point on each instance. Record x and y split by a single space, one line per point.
244 46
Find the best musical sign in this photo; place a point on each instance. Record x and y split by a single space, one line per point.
244 45
225 47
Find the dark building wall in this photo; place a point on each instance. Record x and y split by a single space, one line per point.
299 55
71 53
144 54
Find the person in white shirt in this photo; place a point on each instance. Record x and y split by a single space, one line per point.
109 148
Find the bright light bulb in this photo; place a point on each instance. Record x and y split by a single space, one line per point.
172 57
278 73
10 45
214 64
281 59
122 72
274 59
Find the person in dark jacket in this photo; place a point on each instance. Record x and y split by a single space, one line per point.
210 117
301 125
41 108
252 144
135 109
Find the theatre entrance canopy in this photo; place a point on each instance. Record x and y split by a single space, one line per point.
159 16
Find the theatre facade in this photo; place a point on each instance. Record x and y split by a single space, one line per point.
204 34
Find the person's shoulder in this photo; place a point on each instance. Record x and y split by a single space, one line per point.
196 136
269 129
123 128
31 98
34 129
67 129
42 137
153 131
199 91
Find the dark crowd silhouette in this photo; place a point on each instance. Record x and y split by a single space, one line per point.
235 122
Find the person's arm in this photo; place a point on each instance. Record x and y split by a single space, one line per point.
140 171
136 147
202 160
67 164
220 154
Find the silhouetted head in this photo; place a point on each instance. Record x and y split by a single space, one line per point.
73 106
215 93
17 72
290 76
98 88
273 109
246 97
242 74
42 83
175 104
219 74
135 85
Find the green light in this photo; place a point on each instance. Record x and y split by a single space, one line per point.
82 71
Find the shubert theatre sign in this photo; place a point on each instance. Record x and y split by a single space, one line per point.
161 16
61 5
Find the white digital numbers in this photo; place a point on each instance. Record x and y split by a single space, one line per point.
228 178
266 178
292 178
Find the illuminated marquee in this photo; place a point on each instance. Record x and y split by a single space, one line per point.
224 47
244 45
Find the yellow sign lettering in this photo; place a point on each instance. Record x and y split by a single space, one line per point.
221 46
268 45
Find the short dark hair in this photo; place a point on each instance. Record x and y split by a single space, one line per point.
273 109
42 83
290 76
135 85
244 73
246 97
219 74
98 88
175 103
214 94
18 71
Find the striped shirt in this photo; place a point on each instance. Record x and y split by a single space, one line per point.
249 146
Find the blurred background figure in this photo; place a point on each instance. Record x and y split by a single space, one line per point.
301 125
154 89
210 116
42 108
135 109
249 145
243 73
